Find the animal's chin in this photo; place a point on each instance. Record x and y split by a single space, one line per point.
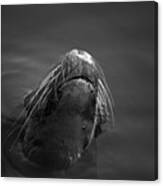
62 139
57 158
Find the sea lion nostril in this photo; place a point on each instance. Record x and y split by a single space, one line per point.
80 52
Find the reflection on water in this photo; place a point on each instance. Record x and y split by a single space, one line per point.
33 37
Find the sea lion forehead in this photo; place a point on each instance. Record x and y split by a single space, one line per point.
83 55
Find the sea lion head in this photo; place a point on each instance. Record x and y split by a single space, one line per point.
66 111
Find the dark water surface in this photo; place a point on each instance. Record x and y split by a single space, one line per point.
121 37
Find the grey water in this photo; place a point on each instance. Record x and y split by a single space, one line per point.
121 37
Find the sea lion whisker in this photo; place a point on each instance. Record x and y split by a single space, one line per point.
108 100
15 126
109 94
45 83
25 123
39 91
102 110
63 72
43 90
49 76
103 80
56 85
67 78
94 124
30 114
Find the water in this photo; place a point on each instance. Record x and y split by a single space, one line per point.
121 39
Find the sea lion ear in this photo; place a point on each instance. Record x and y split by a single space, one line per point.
27 97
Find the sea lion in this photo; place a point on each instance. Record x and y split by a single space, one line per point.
60 118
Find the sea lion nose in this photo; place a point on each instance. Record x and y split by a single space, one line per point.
83 55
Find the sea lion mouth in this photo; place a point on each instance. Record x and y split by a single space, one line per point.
85 78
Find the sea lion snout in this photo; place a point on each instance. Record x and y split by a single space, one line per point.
85 56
